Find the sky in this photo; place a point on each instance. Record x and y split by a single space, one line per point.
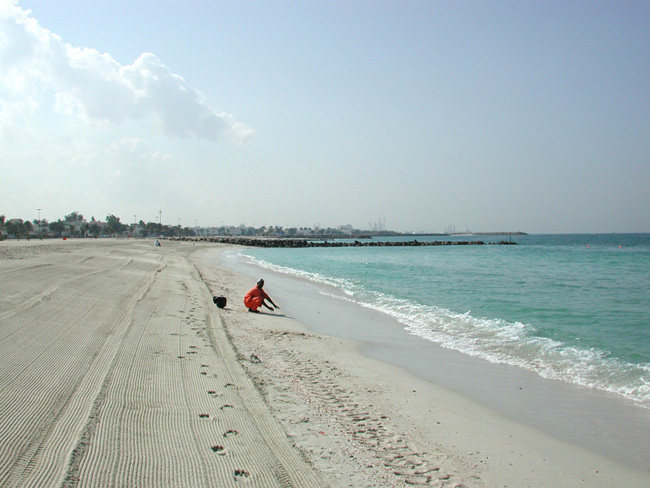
420 115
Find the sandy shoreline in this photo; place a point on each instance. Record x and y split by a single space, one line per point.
118 370
597 421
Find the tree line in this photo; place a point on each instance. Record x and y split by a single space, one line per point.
75 225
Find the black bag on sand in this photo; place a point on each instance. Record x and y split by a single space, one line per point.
219 301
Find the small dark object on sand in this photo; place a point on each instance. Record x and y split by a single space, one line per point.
219 301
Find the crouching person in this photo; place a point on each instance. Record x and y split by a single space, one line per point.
256 297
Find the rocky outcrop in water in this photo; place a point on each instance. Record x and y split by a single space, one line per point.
300 243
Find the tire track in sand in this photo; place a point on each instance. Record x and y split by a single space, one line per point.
67 401
361 430
283 464
176 409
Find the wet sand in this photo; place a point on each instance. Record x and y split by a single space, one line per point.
598 421
118 370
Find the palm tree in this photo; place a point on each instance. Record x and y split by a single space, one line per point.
57 227
93 228
27 228
13 228
114 224
18 228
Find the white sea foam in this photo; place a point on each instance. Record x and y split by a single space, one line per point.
494 340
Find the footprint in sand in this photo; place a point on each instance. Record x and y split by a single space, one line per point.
204 415
242 473
230 433
219 450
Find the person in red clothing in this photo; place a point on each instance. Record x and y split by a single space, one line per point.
256 297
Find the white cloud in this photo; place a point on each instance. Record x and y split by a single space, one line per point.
38 69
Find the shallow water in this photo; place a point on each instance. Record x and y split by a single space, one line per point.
568 307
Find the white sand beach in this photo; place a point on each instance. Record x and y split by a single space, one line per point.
117 370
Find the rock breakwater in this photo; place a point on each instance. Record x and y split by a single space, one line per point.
301 243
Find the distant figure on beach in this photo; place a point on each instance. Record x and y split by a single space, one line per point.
256 297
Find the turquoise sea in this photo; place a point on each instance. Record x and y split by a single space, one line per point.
571 307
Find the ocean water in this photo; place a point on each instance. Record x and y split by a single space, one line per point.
573 308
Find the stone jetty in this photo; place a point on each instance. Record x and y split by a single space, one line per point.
301 243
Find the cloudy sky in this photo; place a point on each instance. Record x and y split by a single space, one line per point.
484 115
